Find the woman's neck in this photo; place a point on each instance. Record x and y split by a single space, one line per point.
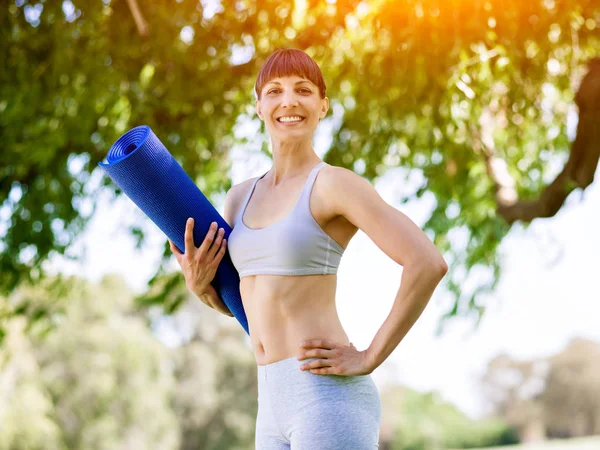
289 161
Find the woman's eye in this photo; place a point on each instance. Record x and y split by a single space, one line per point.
304 91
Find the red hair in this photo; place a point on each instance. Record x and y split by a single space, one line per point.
287 62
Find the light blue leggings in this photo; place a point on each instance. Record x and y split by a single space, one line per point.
299 410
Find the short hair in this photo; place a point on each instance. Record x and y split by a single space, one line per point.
287 62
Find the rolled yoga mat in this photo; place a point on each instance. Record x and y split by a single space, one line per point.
148 174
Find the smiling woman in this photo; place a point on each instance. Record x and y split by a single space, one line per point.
290 228
290 92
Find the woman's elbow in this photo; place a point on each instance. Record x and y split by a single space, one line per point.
442 267
433 267
428 259
437 265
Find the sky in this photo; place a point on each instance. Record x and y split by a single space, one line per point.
547 294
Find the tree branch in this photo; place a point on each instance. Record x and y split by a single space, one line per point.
141 24
578 171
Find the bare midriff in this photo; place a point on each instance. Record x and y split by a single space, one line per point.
283 311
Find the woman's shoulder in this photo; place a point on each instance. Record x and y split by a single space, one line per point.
234 197
335 182
335 175
243 185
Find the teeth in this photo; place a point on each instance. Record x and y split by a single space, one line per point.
290 119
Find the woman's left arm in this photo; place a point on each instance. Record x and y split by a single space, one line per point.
419 280
402 240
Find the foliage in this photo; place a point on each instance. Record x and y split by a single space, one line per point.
417 421
101 376
473 96
217 389
572 396
25 407
555 444
554 397
101 380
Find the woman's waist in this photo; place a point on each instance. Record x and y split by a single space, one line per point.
278 338
275 301
286 291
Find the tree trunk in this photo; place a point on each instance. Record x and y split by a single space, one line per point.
578 171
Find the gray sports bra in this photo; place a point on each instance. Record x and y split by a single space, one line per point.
295 245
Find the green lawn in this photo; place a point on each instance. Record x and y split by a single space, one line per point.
587 443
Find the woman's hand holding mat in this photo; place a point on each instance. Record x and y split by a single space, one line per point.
199 265
142 167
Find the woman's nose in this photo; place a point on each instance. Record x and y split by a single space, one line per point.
289 99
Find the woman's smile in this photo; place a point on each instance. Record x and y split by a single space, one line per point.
290 120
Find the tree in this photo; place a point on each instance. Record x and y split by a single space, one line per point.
552 397
215 398
572 396
415 421
97 381
106 374
514 387
472 97
25 406
100 379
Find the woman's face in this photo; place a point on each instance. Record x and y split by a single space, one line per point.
291 107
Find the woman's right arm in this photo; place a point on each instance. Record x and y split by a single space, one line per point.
199 265
211 298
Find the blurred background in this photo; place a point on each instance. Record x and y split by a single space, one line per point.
479 119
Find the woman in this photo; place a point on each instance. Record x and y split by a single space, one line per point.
290 228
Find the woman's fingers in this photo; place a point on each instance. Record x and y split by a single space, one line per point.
174 248
208 239
321 353
214 249
189 237
175 251
223 249
220 253
210 252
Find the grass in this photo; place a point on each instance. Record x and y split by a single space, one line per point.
586 443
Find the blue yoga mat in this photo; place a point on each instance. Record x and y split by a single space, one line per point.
148 174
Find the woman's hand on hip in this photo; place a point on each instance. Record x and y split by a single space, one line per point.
334 359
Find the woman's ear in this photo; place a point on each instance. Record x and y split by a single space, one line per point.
258 110
324 108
